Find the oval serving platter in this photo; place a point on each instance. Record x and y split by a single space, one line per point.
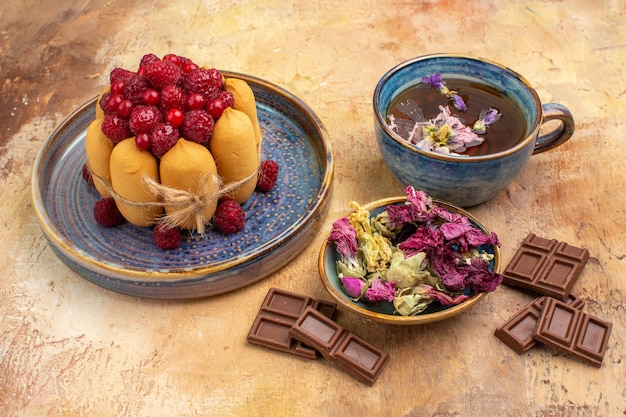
125 259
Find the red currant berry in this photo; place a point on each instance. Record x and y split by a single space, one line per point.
175 117
216 107
114 101
118 87
151 97
174 59
189 67
125 108
142 140
195 101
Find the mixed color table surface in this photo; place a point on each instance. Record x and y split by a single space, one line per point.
69 347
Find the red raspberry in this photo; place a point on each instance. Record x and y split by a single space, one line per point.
144 119
207 82
106 213
172 97
187 64
104 103
166 236
148 58
162 73
87 174
229 217
120 74
164 137
197 126
228 98
184 60
135 87
116 128
268 174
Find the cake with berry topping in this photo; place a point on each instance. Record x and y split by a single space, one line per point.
171 142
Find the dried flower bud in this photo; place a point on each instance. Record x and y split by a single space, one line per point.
353 286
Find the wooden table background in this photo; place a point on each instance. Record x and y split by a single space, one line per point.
68 347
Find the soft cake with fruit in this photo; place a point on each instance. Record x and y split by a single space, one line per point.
175 146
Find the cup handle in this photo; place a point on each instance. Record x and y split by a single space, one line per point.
558 136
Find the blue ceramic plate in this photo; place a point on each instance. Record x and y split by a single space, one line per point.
125 259
384 312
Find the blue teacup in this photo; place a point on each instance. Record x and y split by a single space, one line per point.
465 180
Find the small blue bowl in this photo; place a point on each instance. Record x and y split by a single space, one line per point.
464 180
384 312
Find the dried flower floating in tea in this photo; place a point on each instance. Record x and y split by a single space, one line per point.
440 85
445 133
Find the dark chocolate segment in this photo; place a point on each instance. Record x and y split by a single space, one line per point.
272 332
352 353
517 332
572 331
285 303
279 311
323 334
546 266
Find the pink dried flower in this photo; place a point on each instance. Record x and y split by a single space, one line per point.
444 134
476 237
419 199
425 239
417 208
343 236
380 290
479 278
354 287
442 297
446 266
455 225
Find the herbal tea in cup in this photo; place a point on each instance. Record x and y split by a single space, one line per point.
461 128
456 116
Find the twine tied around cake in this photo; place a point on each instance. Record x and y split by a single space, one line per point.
187 204
190 204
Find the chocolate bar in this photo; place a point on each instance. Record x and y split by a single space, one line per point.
572 331
277 314
517 332
546 266
352 353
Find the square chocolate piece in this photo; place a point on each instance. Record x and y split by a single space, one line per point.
572 331
517 332
352 353
546 266
278 313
